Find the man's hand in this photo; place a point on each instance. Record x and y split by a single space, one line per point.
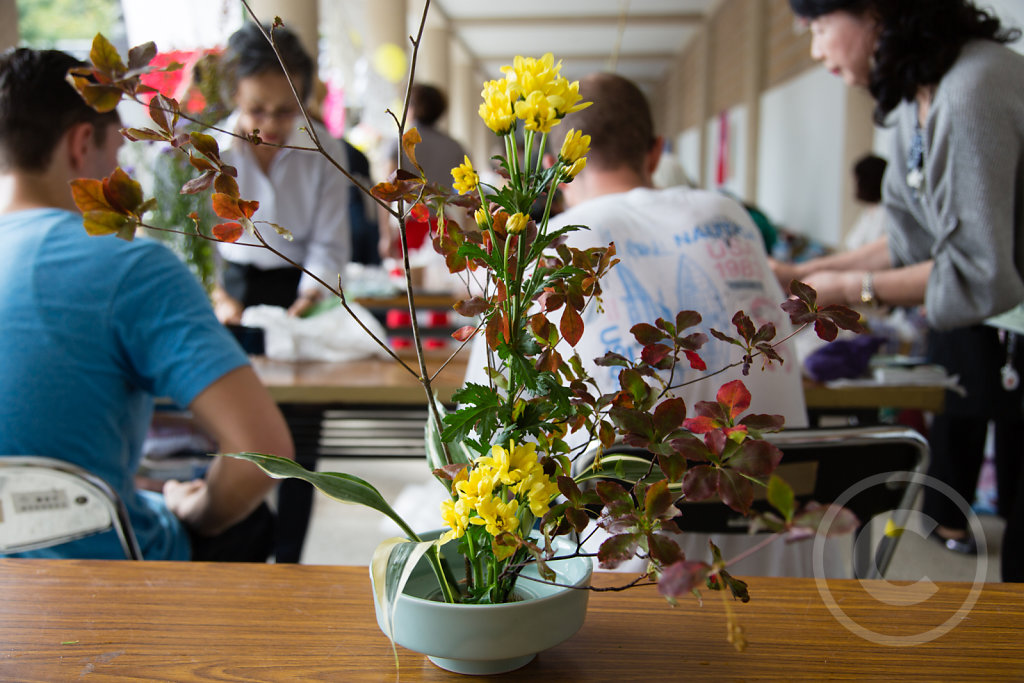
227 309
186 499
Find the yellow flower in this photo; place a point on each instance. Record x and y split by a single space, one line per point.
480 484
565 97
575 146
466 179
516 223
496 109
496 515
527 74
456 515
482 216
575 169
536 110
540 489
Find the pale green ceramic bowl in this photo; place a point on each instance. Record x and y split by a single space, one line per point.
490 639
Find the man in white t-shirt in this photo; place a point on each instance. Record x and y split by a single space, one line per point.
679 249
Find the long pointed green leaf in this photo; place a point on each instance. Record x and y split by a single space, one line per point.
458 450
391 567
344 488
630 468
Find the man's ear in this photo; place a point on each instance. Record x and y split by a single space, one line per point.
654 156
79 143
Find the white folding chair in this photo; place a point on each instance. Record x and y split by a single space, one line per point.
46 502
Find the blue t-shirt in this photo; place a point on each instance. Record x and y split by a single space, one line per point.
91 329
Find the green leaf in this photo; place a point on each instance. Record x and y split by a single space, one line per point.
458 450
780 495
105 223
390 569
344 488
628 468
105 56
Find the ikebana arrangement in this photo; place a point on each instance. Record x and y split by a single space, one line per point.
521 497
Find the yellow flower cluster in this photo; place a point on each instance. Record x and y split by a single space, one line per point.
491 494
466 179
533 91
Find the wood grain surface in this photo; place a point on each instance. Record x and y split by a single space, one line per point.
65 620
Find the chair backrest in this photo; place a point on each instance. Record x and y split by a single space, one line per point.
874 470
46 502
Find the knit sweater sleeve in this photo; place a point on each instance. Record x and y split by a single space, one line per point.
971 203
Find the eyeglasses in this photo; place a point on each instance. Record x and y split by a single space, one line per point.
261 114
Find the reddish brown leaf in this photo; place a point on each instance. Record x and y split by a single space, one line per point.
409 142
205 145
199 184
471 307
696 362
122 192
102 98
756 458
735 490
464 333
141 55
682 578
700 482
734 396
163 111
225 184
227 232
136 134
571 326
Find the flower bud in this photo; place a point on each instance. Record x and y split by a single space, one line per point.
516 223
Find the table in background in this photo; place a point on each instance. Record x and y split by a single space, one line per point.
69 619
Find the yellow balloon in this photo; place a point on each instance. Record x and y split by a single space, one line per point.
389 62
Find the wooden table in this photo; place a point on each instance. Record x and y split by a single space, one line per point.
873 396
381 380
368 381
103 620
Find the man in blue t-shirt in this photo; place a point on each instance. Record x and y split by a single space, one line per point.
92 328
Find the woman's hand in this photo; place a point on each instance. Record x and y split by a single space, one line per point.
306 301
785 273
836 286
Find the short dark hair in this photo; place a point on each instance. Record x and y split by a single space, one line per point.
428 103
867 175
619 122
249 53
918 43
37 106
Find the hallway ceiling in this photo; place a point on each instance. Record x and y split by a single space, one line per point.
636 38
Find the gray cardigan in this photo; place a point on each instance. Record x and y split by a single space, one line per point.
969 214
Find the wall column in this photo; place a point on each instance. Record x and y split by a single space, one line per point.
858 140
704 108
758 57
8 24
301 17
462 103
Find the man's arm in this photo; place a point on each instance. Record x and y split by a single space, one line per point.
239 414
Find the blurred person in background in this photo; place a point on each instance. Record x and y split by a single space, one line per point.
954 217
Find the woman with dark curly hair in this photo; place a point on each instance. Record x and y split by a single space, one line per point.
954 196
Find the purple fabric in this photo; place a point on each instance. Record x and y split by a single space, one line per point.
842 358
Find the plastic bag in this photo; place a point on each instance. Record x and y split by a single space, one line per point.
331 335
